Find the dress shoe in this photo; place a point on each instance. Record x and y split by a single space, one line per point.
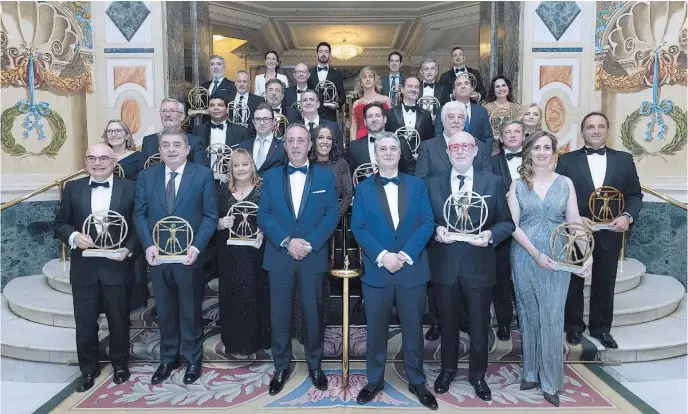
433 333
444 380
463 327
503 333
424 396
193 372
606 339
552 399
163 372
121 375
482 390
367 394
278 381
527 385
319 379
574 338
87 381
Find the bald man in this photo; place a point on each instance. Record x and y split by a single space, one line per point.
98 282
293 93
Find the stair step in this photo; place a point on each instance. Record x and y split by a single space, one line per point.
627 277
23 339
655 297
660 339
57 274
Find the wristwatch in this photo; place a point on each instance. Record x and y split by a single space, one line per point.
630 218
285 242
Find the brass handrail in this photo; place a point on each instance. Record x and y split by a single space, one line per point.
664 197
42 189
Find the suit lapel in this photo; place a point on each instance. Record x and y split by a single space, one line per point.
441 147
611 166
473 120
287 192
384 203
402 200
206 137
504 170
159 187
363 150
306 190
184 185
419 119
399 113
585 167
86 198
478 187
272 150
116 196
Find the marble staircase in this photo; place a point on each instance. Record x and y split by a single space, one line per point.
649 316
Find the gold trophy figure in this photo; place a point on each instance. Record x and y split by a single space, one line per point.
457 214
364 171
198 101
281 124
175 246
239 113
411 136
571 245
152 160
605 204
296 105
430 104
110 228
216 154
329 93
244 230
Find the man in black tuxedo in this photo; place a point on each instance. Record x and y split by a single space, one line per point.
274 96
267 151
505 165
394 62
184 189
593 166
459 66
171 116
219 85
292 94
430 86
98 283
466 270
310 102
243 96
322 71
408 114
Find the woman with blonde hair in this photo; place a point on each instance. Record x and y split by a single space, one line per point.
117 136
531 117
540 200
368 86
244 293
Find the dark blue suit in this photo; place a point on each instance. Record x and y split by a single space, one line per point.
178 288
372 226
197 154
317 219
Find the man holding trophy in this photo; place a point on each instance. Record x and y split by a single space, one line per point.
175 216
471 217
94 220
591 168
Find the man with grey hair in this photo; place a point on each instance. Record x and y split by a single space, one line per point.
242 97
429 85
274 96
172 115
293 93
219 85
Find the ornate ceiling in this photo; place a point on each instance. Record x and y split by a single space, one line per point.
293 29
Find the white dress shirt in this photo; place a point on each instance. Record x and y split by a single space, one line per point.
266 149
100 202
177 179
217 136
467 181
392 194
371 151
409 117
315 121
322 74
428 91
238 96
513 164
212 89
391 78
598 168
297 182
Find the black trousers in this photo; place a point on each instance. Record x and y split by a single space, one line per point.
432 306
88 302
178 296
503 305
477 303
604 267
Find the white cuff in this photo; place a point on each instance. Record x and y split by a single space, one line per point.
408 258
195 248
70 242
382 254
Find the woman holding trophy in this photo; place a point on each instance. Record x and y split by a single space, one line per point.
244 292
540 201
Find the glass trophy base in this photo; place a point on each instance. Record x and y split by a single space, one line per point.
241 242
462 237
194 112
563 267
602 226
108 254
170 259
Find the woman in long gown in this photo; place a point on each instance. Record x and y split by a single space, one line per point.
244 293
369 86
539 201
500 106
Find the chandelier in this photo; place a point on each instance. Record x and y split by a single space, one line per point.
345 51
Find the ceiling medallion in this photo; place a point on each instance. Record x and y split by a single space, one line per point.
345 51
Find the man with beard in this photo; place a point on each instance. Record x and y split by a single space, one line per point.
310 102
219 85
293 93
323 72
459 66
408 114
274 96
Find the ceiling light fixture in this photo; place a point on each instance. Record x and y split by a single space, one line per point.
345 51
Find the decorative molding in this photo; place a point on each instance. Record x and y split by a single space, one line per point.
557 49
466 16
225 14
129 50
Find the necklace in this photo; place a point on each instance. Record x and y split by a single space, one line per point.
243 191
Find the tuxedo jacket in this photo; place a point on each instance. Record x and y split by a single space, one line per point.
433 158
386 85
620 174
290 95
358 155
234 133
276 156
501 169
291 114
395 120
334 76
318 218
449 77
441 92
197 153
75 207
476 264
225 89
195 202
373 229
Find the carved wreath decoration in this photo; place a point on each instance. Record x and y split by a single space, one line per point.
31 122
675 145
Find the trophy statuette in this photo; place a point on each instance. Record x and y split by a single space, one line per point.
153 160
411 136
216 155
564 252
394 94
457 214
238 113
111 229
198 101
329 93
363 171
243 232
166 238
430 104
605 204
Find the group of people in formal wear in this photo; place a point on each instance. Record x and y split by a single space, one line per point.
302 185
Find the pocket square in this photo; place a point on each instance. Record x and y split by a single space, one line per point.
319 191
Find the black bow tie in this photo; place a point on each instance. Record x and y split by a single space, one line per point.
221 127
600 151
300 90
291 169
393 180
322 68
511 155
428 85
95 184
277 110
371 138
410 108
463 69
